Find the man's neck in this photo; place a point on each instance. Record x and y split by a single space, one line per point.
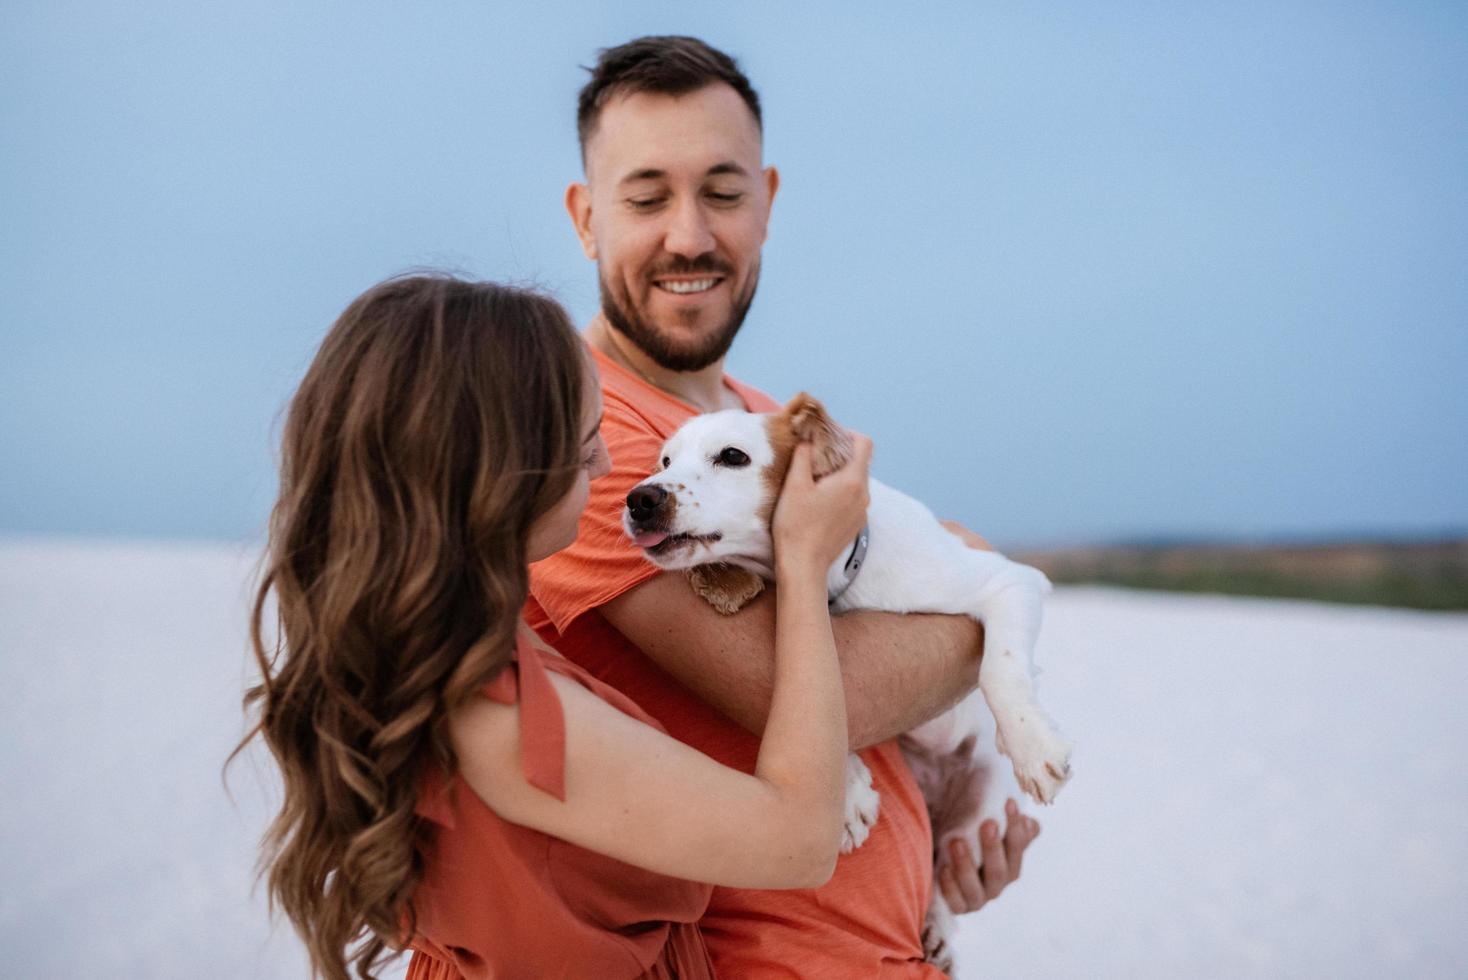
703 389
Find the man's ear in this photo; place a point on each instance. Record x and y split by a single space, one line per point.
772 185
830 444
578 206
726 587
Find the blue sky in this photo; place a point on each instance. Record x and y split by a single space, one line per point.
1084 271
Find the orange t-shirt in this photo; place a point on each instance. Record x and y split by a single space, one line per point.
498 901
867 920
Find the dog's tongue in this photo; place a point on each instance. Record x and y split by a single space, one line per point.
649 539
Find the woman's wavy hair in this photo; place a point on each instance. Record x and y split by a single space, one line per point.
438 420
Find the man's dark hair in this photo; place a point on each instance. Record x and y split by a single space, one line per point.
668 65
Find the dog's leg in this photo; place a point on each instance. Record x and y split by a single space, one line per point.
1007 598
963 787
914 565
862 803
941 774
939 925
1011 617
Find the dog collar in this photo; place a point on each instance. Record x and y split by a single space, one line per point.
853 563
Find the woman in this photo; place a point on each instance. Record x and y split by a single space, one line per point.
450 783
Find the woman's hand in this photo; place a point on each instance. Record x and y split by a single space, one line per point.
816 520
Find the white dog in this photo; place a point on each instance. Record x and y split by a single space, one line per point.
708 510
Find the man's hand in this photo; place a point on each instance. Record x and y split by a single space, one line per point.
968 888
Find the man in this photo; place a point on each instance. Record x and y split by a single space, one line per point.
674 211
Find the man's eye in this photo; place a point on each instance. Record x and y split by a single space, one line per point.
733 457
644 203
726 198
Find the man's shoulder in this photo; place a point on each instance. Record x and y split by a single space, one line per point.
627 414
632 406
648 407
755 399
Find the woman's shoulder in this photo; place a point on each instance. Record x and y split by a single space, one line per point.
515 733
568 676
485 735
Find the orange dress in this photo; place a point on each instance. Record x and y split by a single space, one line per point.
498 900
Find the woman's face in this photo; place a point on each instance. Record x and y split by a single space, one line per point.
556 528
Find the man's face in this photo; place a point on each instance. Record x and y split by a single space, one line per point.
674 211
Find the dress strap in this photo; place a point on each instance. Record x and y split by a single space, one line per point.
542 719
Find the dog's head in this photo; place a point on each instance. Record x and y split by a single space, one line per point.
709 506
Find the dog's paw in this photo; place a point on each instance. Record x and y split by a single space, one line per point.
862 804
1041 758
938 928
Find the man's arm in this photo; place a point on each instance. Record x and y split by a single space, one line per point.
899 670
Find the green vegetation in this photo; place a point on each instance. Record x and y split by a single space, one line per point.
1446 592
1431 575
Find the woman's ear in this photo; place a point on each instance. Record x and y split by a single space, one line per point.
830 444
725 587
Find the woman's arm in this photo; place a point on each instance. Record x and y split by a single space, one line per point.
642 797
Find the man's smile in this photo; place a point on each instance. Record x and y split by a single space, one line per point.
685 287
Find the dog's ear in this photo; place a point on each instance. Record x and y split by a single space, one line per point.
725 587
830 444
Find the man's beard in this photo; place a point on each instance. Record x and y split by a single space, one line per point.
660 346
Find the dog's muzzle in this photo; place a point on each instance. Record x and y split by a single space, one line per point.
644 502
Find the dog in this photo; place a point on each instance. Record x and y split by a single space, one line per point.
707 510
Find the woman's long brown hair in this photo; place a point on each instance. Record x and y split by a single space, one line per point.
438 420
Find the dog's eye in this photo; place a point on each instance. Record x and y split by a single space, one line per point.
666 462
733 457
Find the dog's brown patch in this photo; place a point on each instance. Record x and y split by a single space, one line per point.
725 587
782 442
803 419
830 444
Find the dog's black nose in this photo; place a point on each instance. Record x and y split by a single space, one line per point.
644 501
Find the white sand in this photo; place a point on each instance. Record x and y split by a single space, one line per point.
1263 788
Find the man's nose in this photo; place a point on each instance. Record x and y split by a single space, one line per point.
645 500
689 234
